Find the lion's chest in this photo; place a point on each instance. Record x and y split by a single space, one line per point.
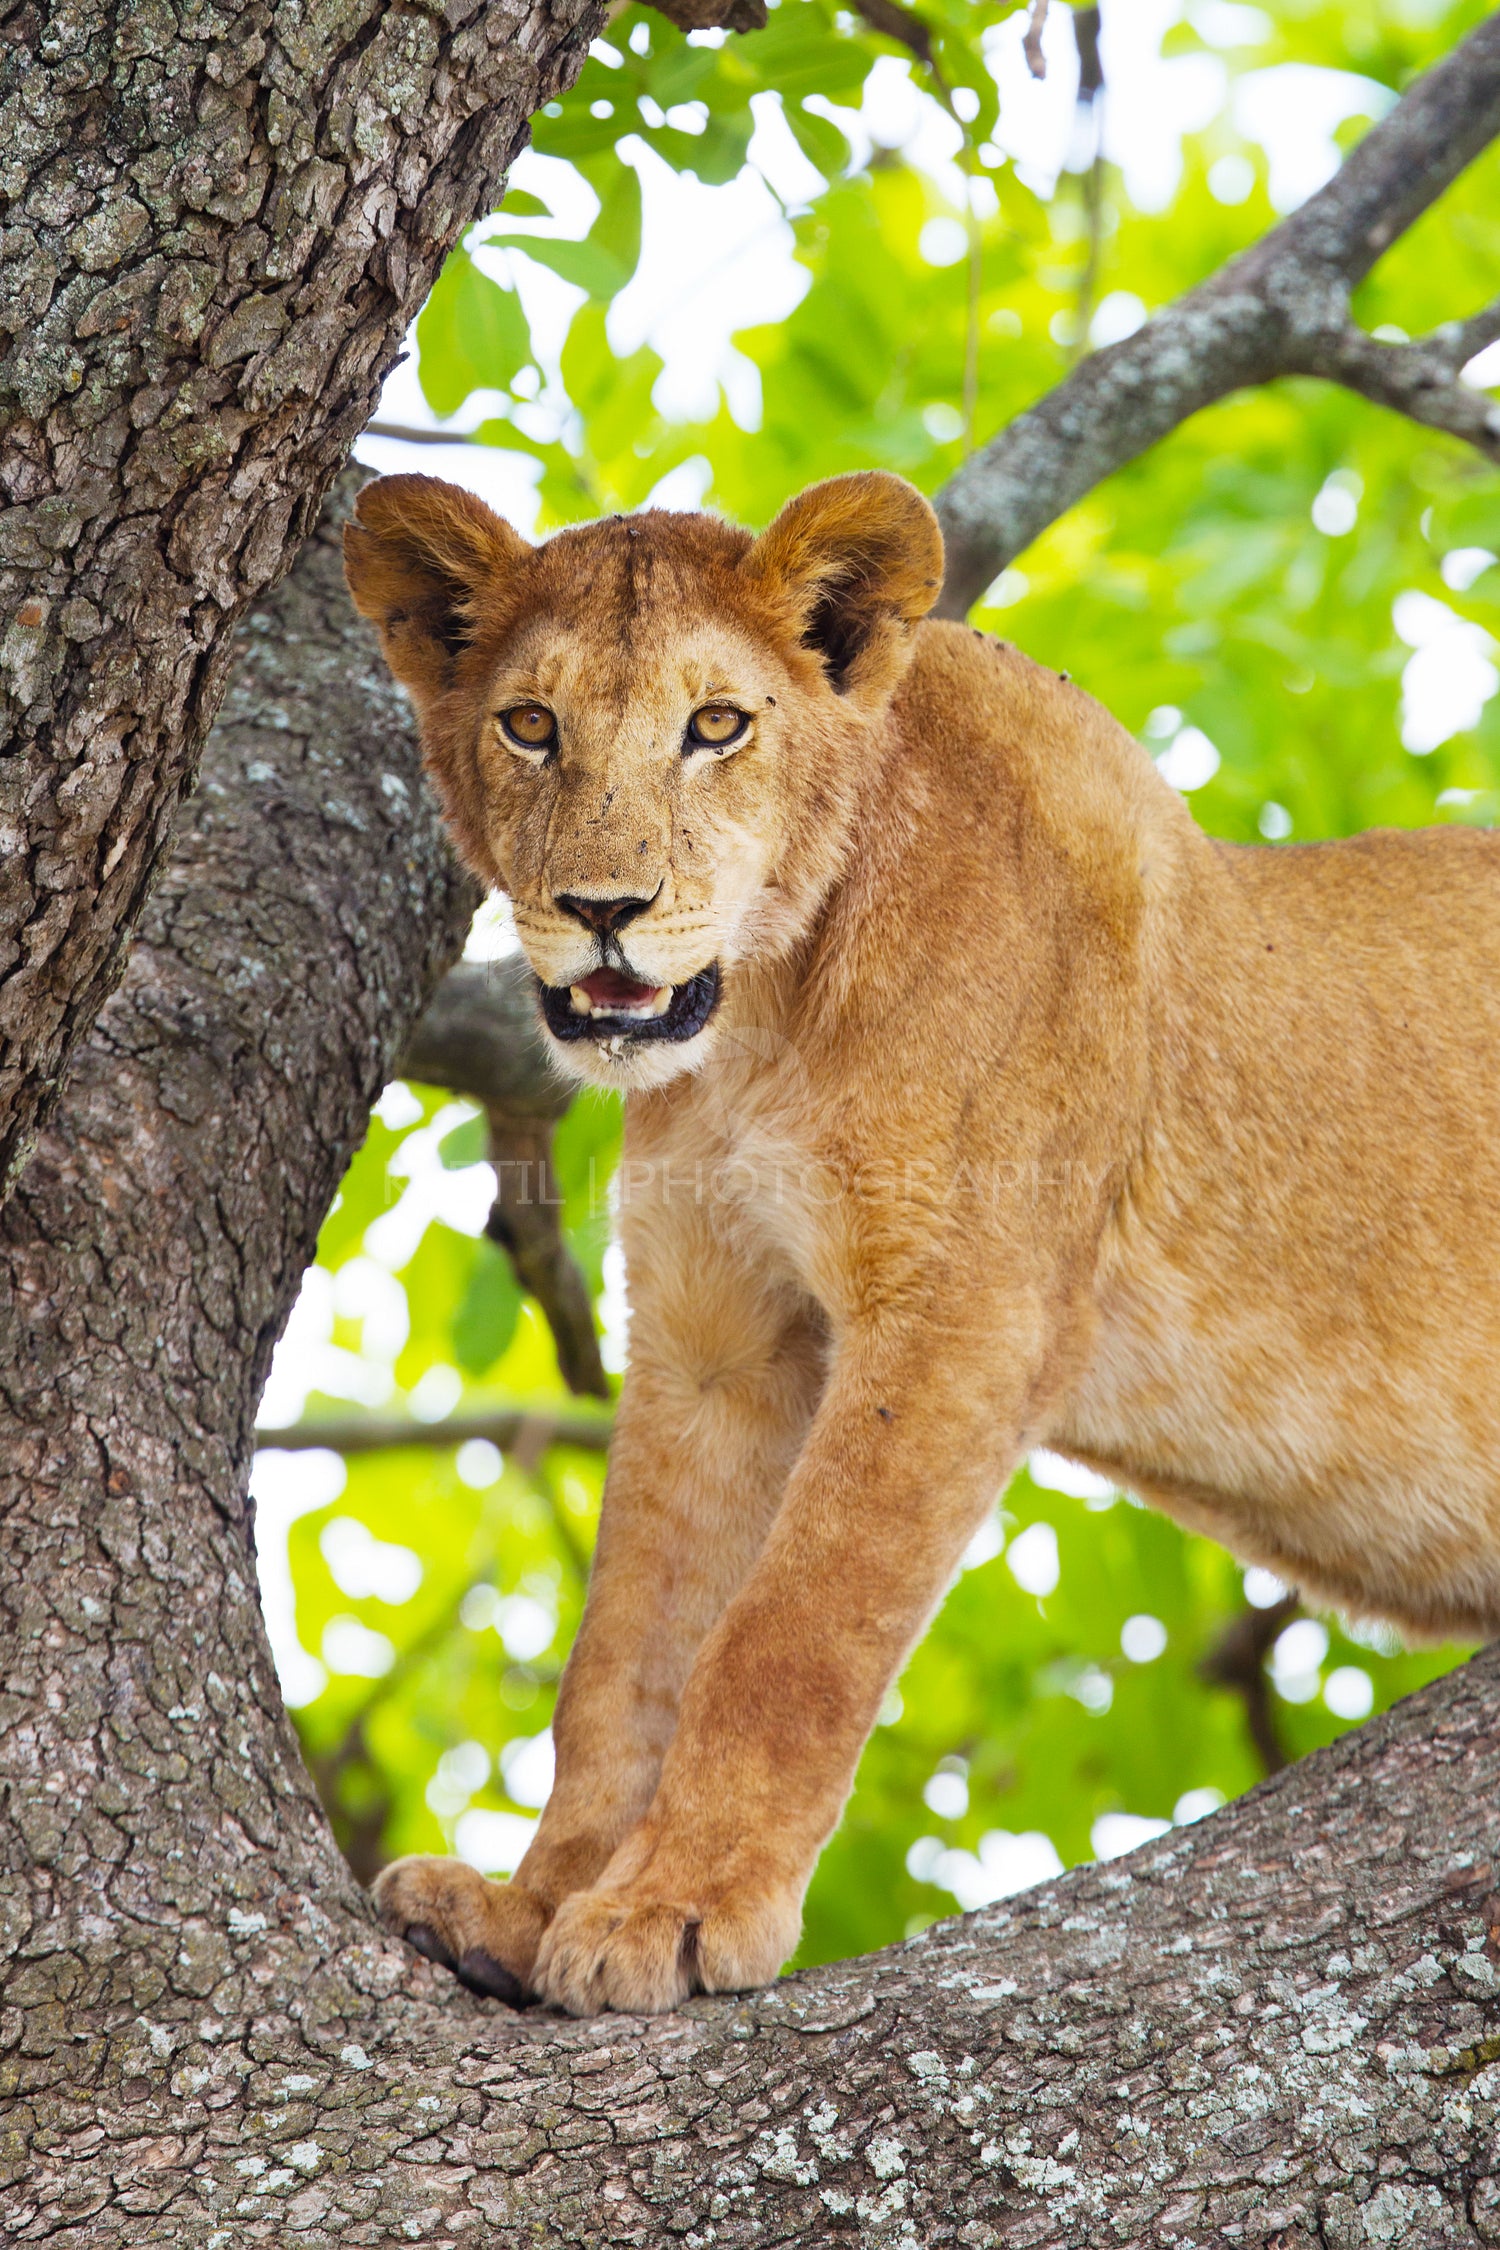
841 1183
789 1202
771 1173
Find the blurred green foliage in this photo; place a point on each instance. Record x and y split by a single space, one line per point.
1264 580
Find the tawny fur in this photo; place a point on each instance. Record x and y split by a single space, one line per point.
1028 1115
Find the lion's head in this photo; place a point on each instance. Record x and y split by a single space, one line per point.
648 731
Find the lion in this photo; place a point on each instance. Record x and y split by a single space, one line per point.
975 1101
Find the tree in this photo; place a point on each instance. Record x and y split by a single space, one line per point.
1276 2024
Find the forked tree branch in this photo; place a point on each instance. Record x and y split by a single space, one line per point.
1282 308
1422 379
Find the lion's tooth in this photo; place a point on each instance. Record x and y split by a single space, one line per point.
579 1001
641 1010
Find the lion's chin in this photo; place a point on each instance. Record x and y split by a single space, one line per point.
617 1017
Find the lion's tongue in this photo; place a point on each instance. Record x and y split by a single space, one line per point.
606 988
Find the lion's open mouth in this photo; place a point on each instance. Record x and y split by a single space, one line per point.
607 1005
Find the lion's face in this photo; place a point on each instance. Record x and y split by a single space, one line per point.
647 732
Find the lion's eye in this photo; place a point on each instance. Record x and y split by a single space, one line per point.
530 725
715 726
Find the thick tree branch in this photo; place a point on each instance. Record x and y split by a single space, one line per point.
480 1037
1280 309
218 224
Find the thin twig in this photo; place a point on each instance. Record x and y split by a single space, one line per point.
1031 45
370 1433
1090 107
1238 1660
404 434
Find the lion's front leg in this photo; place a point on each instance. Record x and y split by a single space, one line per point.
724 1377
907 1451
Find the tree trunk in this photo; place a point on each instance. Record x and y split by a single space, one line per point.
219 223
1277 2026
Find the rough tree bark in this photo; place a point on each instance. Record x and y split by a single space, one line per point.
1282 2026
219 221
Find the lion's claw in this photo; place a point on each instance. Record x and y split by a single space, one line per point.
486 1933
423 1938
483 1974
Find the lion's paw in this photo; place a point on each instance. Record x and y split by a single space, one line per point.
640 1955
486 1933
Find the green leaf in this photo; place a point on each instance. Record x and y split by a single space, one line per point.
467 1144
821 142
594 270
471 335
487 1313
605 260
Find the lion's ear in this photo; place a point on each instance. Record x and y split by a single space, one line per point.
417 556
858 562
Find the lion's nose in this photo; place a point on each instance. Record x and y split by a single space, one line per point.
606 915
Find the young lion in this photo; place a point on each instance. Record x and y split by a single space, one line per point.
977 1101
